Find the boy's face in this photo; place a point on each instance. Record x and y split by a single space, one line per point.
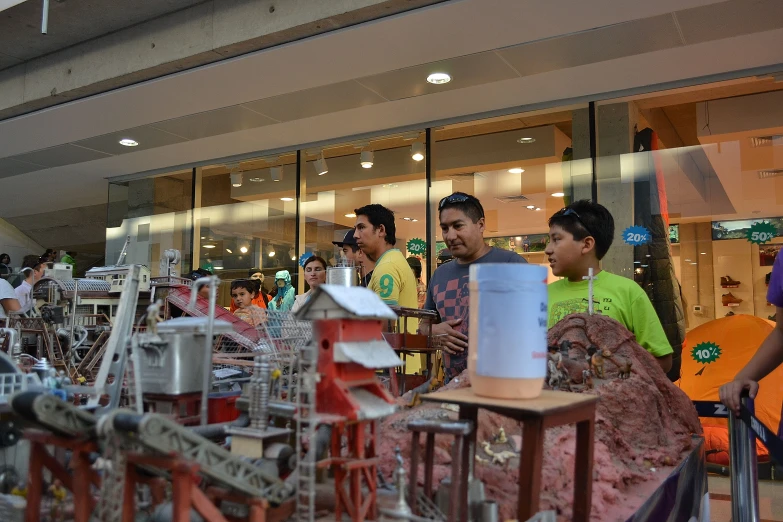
349 253
203 291
242 298
566 254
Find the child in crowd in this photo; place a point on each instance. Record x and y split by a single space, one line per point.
579 237
243 291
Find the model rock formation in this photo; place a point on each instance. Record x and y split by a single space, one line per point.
644 425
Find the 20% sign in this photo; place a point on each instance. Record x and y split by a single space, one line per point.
417 246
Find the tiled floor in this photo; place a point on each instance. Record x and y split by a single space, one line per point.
770 499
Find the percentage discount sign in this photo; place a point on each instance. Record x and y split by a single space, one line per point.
761 232
417 246
636 236
706 352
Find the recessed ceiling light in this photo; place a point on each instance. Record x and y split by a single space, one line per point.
538 208
687 260
558 194
439 78
256 180
229 251
414 220
243 249
286 199
703 253
516 170
271 253
417 151
350 215
127 142
218 268
526 140
407 218
202 237
366 159
531 207
209 246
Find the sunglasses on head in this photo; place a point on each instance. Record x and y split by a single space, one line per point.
456 198
571 212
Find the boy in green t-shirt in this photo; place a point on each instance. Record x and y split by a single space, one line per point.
579 237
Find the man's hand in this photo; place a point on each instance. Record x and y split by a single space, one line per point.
731 391
454 342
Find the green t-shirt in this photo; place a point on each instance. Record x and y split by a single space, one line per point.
613 296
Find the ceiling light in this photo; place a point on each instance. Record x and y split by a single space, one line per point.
526 140
271 253
531 207
558 194
407 218
538 208
516 170
703 253
414 220
687 260
286 199
366 159
229 251
127 142
209 246
417 151
217 267
350 215
256 180
202 237
276 173
320 166
243 249
439 78
236 179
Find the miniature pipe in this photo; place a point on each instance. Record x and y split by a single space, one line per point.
216 431
211 281
743 468
489 511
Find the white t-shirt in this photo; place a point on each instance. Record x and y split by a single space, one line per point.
6 292
23 294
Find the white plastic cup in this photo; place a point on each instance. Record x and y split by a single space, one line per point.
507 345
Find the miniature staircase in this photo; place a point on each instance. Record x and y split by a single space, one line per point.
306 424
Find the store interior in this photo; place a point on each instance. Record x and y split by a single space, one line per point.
719 161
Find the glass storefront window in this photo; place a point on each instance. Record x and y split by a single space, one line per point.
156 214
395 179
523 168
245 220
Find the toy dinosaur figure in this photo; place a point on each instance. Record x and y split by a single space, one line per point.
587 379
623 364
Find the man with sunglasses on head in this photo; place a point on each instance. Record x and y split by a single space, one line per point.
462 225
579 237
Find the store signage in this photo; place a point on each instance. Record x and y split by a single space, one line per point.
636 236
706 353
761 232
304 257
417 246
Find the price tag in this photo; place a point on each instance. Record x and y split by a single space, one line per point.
636 236
761 232
417 246
706 353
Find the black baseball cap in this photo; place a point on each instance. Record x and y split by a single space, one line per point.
347 240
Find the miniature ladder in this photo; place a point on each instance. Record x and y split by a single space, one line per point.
132 379
305 407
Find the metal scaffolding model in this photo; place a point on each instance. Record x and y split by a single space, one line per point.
306 420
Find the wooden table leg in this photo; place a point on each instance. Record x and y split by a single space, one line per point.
429 462
530 464
583 472
467 413
414 476
34 483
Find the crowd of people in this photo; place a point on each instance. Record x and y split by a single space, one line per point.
16 288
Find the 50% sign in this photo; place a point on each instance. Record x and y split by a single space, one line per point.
761 232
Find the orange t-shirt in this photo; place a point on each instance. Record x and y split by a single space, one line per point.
258 301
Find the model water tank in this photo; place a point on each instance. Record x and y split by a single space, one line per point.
172 362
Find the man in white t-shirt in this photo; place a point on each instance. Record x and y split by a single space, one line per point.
33 270
8 301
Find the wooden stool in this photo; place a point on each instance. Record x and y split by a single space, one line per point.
463 432
550 409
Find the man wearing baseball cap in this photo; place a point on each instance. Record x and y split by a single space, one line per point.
351 251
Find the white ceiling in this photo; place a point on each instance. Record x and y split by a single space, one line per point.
279 112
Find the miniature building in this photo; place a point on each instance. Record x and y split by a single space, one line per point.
347 331
115 276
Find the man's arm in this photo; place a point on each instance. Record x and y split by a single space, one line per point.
10 305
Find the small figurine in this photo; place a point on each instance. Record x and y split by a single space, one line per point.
58 493
501 438
153 316
20 490
596 358
623 364
587 379
565 347
553 365
402 507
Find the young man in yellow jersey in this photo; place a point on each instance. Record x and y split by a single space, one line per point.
392 279
579 237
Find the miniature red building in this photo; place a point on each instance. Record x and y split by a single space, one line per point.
347 334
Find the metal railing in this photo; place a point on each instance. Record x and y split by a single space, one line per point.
743 431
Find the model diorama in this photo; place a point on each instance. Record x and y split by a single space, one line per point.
173 408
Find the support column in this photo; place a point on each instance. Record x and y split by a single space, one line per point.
615 124
578 173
